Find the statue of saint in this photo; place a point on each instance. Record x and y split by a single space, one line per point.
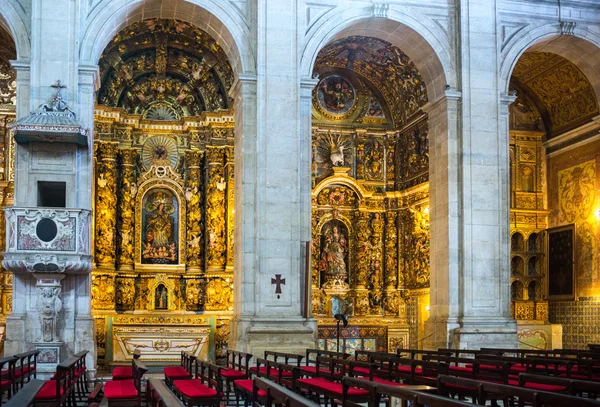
159 228
161 297
333 254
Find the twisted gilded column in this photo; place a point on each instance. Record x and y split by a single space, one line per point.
230 170
376 240
106 204
391 251
315 248
362 248
193 179
126 218
215 209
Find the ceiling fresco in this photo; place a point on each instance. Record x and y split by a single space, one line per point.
164 70
564 96
8 76
380 82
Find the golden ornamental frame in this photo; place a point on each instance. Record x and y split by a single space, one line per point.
177 190
155 282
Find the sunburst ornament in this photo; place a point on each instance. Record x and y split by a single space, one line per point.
159 151
161 112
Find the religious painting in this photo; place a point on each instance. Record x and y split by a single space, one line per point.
561 263
336 95
161 297
333 261
374 108
160 227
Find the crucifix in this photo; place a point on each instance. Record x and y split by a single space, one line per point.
278 281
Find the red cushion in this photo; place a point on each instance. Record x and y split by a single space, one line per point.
274 372
332 387
28 369
362 370
583 377
539 386
176 372
232 373
48 391
194 388
247 387
120 389
122 372
460 369
313 369
5 383
404 369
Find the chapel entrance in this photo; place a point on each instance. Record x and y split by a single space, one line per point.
164 194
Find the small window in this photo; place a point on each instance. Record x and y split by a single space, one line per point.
52 194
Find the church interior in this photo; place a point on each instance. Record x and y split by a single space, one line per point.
163 207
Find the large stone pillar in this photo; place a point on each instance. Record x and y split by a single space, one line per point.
272 161
470 301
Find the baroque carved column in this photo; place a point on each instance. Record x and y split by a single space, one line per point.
127 190
376 240
315 250
106 205
391 251
230 170
362 249
215 209
193 180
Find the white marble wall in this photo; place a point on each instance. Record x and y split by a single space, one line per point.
464 50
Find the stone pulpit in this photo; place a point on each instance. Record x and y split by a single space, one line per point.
48 237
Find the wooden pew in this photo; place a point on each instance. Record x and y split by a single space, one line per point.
26 367
57 391
26 397
279 395
159 395
310 363
181 372
8 379
237 368
125 392
487 391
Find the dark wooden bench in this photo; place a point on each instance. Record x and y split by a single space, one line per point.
8 378
57 391
203 390
181 372
237 368
126 392
159 395
275 394
26 367
26 397
125 372
487 391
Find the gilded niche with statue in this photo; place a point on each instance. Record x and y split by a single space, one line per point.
164 186
370 223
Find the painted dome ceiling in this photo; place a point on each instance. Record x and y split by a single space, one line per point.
163 70
367 80
553 86
8 76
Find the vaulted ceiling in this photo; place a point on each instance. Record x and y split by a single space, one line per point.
559 91
165 69
378 71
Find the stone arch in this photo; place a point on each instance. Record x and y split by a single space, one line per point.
418 36
217 18
581 49
13 21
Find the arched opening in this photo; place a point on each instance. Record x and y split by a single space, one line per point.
554 159
164 187
8 100
369 125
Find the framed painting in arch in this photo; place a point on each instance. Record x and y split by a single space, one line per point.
561 263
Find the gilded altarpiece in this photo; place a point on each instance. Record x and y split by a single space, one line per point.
370 167
164 195
164 234
8 95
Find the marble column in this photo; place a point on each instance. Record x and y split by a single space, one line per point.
49 307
